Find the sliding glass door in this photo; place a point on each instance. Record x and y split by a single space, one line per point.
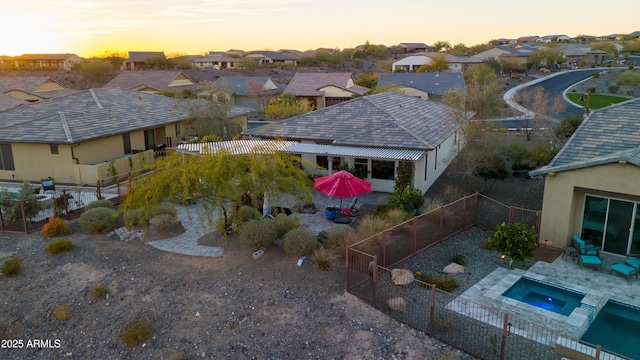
612 224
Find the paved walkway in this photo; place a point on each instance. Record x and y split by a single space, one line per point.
187 242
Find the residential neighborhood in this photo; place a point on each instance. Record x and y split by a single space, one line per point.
416 200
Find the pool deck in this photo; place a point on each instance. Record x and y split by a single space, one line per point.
599 286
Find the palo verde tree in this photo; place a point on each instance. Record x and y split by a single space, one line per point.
285 106
208 116
224 182
438 64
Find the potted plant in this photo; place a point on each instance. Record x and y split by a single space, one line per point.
331 211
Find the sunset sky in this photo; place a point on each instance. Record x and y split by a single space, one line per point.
93 27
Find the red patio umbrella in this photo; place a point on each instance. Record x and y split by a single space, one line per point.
342 184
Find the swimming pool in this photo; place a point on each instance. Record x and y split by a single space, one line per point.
545 296
616 328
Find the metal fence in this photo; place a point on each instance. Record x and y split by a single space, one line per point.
474 328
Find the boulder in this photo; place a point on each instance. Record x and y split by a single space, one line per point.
453 269
401 276
397 304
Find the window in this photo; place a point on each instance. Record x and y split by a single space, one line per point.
336 162
384 170
426 164
54 149
322 161
6 157
178 131
361 167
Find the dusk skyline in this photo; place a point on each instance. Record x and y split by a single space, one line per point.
93 27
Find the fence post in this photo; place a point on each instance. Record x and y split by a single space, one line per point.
432 309
1 220
24 217
510 214
441 230
98 190
505 324
384 248
346 265
415 235
375 280
598 350
65 201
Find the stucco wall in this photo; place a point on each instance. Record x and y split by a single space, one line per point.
562 204
332 91
414 92
35 161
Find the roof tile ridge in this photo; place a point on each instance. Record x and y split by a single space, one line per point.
65 126
398 122
95 98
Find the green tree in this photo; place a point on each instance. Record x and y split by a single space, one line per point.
459 50
606 46
441 46
99 71
517 241
114 58
224 182
405 196
567 126
385 65
481 95
632 47
158 61
180 61
438 63
285 106
369 80
10 203
247 64
208 116
550 54
493 64
491 168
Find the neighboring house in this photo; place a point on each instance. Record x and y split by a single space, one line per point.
249 91
29 89
456 63
136 59
577 53
74 138
271 57
373 133
517 56
294 54
553 38
324 89
215 61
47 61
504 41
7 102
591 186
610 37
235 53
428 86
529 39
152 81
584 38
415 47
6 61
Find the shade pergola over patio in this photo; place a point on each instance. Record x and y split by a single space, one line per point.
349 151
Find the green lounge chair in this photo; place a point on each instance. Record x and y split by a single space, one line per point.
628 268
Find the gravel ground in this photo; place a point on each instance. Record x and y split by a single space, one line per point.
215 308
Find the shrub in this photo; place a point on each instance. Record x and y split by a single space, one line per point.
444 283
595 75
431 210
59 247
98 292
11 267
164 209
381 209
614 89
458 259
299 241
56 227
453 193
258 234
629 92
517 241
98 204
246 213
61 312
142 216
337 235
573 90
98 220
283 224
591 90
11 206
136 332
397 216
324 259
373 225
540 153
163 222
409 199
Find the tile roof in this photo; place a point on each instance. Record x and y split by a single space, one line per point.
155 79
414 45
89 114
28 84
7 102
309 84
237 85
432 83
607 135
216 58
139 56
386 120
44 56
273 55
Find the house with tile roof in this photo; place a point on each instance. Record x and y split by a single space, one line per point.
29 89
415 47
271 57
413 62
249 91
579 53
152 81
215 61
136 59
373 133
324 89
428 86
591 187
74 138
515 55
47 61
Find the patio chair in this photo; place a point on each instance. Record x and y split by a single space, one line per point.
628 268
588 254
353 211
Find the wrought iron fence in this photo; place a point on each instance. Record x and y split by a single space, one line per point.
474 328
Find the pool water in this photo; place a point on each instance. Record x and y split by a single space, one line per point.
545 296
616 328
